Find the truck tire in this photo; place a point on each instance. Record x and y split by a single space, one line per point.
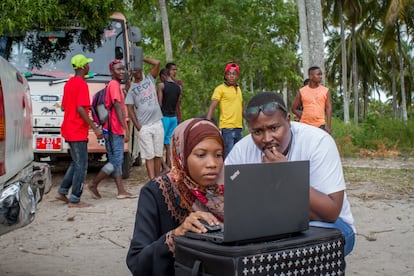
126 165
36 157
137 161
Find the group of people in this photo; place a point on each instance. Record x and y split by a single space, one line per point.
172 203
154 112
174 200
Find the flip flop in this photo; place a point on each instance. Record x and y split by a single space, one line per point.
126 196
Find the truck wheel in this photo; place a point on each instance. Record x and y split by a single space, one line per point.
36 157
137 161
126 165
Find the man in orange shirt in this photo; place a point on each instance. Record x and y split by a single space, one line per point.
316 101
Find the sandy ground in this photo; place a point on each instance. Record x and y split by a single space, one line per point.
94 241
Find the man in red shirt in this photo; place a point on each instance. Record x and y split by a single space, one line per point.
75 127
116 132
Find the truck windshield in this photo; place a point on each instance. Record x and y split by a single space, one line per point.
48 54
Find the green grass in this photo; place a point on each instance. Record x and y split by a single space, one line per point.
374 137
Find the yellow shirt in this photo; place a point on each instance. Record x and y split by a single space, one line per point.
230 103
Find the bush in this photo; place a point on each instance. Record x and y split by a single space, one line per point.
374 137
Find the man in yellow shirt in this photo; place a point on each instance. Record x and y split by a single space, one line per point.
316 101
228 97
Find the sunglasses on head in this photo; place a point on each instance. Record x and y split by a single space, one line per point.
268 109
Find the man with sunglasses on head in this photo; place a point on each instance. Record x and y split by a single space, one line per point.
228 97
275 138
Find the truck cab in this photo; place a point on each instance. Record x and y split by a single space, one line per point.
44 58
22 181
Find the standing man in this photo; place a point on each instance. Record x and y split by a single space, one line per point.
145 113
274 138
169 94
172 69
316 101
116 133
228 96
75 127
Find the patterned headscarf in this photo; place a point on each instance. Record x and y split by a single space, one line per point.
182 194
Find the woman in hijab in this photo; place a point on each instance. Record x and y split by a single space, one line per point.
173 203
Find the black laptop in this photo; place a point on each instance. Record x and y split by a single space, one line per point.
263 201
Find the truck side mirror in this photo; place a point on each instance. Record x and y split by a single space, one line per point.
119 53
136 58
135 35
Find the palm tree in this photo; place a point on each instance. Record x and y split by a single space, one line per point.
303 30
166 31
336 11
392 20
311 32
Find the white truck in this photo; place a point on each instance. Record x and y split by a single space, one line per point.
44 57
22 181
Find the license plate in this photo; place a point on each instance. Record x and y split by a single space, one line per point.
49 143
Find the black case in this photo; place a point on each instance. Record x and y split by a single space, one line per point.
317 251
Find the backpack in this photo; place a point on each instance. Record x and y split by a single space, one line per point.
100 112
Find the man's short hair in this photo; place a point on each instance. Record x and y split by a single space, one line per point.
170 64
313 68
164 72
266 97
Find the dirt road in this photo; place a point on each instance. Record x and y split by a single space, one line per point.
94 241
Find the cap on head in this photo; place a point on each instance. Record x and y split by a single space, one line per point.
79 60
232 66
113 62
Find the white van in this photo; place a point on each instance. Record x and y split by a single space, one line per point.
22 181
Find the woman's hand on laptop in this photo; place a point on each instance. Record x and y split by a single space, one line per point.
192 223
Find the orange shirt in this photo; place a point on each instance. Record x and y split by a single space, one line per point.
313 102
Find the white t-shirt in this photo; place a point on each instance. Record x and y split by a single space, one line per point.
308 143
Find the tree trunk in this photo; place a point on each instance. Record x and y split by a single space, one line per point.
355 78
394 88
166 31
403 98
315 34
344 68
304 41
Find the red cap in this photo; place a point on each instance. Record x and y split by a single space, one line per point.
232 66
113 62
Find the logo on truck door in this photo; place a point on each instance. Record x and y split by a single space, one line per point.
47 110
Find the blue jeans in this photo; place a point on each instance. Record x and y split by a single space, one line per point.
231 136
76 173
346 230
114 145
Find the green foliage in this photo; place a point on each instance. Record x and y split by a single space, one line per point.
21 15
374 136
260 35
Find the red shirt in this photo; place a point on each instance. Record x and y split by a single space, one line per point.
75 93
114 93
